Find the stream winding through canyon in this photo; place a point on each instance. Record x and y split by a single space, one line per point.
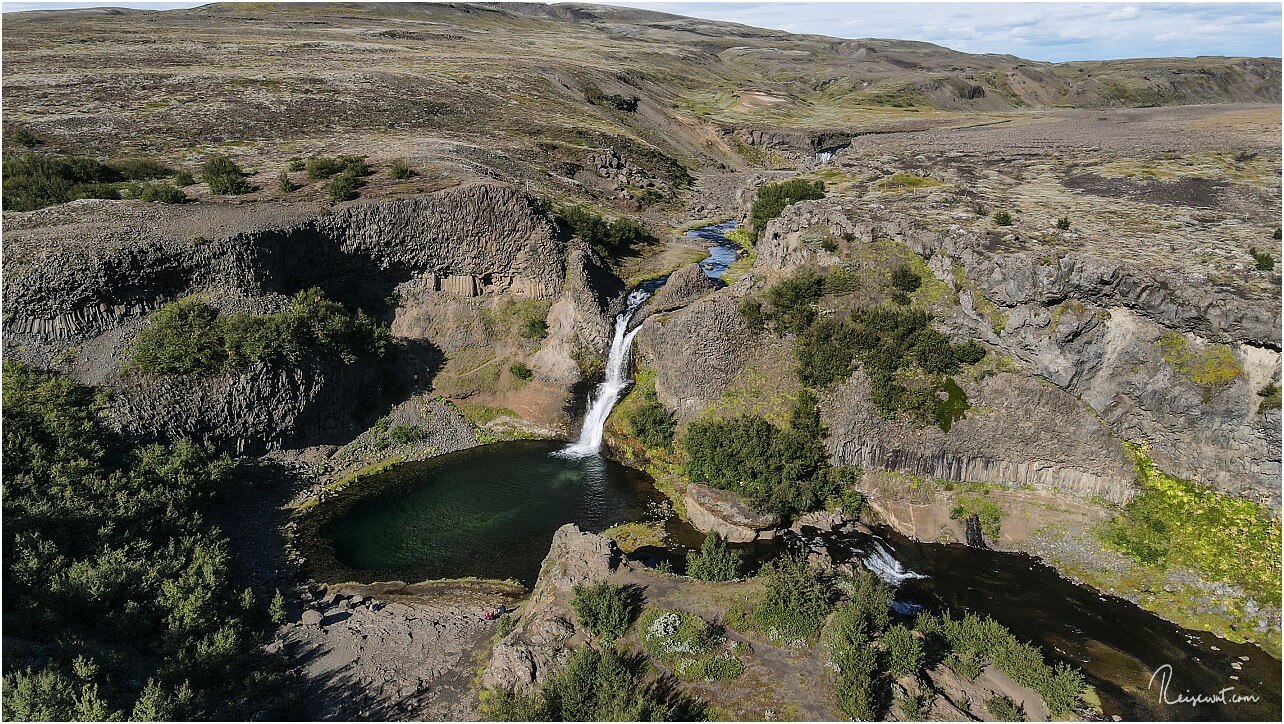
491 511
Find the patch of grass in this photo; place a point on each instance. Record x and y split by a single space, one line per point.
634 535
1211 368
987 512
906 181
1175 523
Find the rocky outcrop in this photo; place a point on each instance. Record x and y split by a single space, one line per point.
696 350
86 274
1020 431
725 513
683 286
546 632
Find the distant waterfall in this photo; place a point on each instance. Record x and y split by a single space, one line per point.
879 560
608 393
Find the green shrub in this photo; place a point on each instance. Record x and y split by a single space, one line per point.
869 598
1002 218
1270 395
400 170
283 183
139 169
988 513
162 193
406 434
343 187
324 167
847 641
714 561
779 470
670 635
36 180
535 328
184 178
793 301
772 199
609 239
1002 708
604 609
652 422
24 138
190 337
794 602
904 652
905 279
224 177
106 546
1063 223
295 164
751 310
276 609
979 210
507 623
521 371
1262 260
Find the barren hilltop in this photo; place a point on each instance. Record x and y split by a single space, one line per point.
1033 307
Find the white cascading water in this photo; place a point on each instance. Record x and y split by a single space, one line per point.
608 393
879 560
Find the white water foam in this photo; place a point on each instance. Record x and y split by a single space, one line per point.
609 391
880 561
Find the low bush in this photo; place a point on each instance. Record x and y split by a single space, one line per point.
319 168
755 319
609 239
1261 259
670 635
521 371
773 198
535 328
1002 708
191 337
283 183
781 470
903 650
604 609
1063 223
35 180
848 646
905 279
343 187
401 170
1270 395
792 302
651 421
794 602
139 169
224 177
1002 218
714 561
591 685
184 178
162 193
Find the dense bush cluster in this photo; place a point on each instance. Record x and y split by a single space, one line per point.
609 239
1261 259
604 609
35 180
970 643
651 421
107 556
887 342
714 561
772 199
224 177
191 337
591 686
781 470
628 104
795 601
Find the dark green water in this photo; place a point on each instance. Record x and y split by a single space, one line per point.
488 512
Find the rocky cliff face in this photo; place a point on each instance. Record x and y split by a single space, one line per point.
1104 352
82 277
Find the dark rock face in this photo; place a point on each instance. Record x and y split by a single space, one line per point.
683 287
1020 431
85 275
972 534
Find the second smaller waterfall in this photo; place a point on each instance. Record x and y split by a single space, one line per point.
608 393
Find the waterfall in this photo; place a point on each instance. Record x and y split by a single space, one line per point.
880 561
608 393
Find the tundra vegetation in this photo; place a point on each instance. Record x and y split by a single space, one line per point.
109 559
609 238
34 180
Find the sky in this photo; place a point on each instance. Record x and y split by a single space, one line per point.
1057 32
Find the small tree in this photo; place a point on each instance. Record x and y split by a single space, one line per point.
1063 223
276 609
714 561
1002 218
400 170
283 183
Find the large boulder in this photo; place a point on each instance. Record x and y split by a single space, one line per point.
726 514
